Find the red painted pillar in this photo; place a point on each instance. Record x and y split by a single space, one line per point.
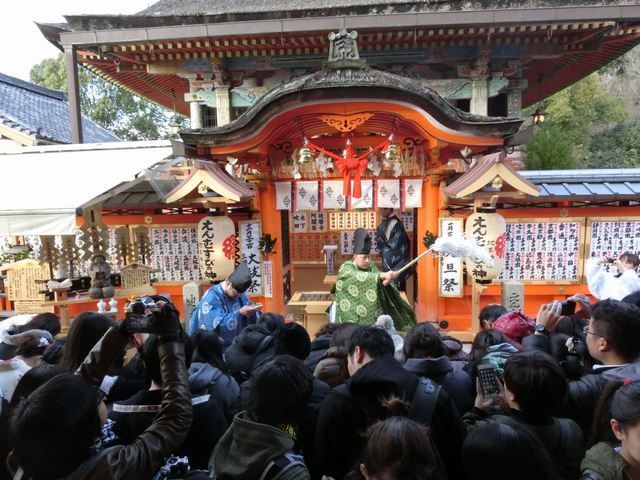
271 224
427 269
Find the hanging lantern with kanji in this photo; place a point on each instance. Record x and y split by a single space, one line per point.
487 229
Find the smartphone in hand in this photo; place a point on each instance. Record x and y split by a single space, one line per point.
488 380
568 308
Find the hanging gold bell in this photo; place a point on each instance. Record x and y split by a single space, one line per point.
305 155
391 153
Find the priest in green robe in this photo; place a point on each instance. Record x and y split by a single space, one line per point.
363 293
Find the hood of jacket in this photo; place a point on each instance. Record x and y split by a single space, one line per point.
247 447
629 371
383 376
501 350
250 339
453 344
603 460
323 342
14 338
497 355
429 367
202 375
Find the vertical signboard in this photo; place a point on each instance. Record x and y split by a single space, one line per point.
450 268
250 232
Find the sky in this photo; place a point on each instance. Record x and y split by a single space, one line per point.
21 43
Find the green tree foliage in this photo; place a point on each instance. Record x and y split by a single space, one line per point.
126 115
584 107
615 148
574 116
550 149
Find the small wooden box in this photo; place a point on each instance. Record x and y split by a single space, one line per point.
310 309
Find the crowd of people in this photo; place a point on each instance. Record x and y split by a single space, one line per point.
356 402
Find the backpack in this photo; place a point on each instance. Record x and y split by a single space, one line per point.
423 406
276 468
423 403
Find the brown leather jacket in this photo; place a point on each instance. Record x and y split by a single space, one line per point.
143 458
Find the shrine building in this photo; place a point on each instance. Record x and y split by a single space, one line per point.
305 121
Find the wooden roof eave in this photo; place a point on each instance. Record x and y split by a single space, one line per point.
486 170
215 179
103 29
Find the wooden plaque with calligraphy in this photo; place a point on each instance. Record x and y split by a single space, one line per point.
33 307
174 253
24 280
544 250
136 279
607 236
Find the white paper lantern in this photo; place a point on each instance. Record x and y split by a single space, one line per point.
216 247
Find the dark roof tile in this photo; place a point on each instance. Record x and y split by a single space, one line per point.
43 112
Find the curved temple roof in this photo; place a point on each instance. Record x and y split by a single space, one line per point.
351 85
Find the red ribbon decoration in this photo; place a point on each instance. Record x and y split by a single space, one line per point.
350 166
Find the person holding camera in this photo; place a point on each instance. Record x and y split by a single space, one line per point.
55 432
611 337
614 283
225 308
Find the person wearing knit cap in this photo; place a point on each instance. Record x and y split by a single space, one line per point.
225 308
386 323
363 293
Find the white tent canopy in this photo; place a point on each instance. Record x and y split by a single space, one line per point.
42 186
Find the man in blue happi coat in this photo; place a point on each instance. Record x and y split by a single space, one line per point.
225 308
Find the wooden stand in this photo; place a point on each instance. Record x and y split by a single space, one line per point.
310 309
63 307
476 291
59 294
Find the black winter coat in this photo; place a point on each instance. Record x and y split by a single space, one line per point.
583 394
169 427
252 346
306 429
343 418
564 445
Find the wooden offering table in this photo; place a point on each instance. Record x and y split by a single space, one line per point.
85 303
330 280
310 309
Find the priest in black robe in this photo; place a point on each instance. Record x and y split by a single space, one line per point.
392 243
